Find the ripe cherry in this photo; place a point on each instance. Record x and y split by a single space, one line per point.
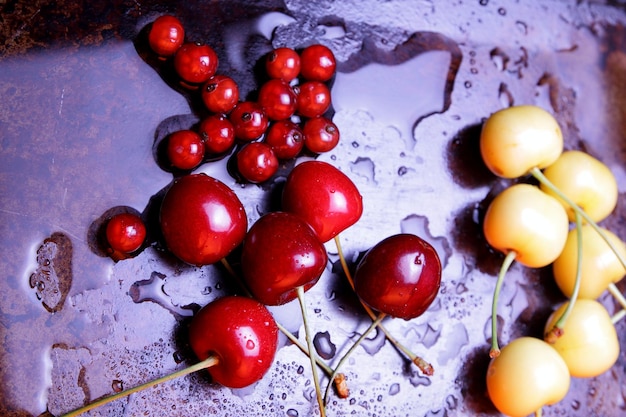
166 35
249 120
277 99
241 333
313 99
195 62
286 139
283 63
185 149
125 232
218 134
400 276
317 63
256 162
320 134
281 253
202 219
323 196
220 94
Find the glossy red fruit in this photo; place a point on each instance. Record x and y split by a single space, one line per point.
241 333
218 134
249 120
283 63
286 139
185 149
256 162
220 94
166 35
277 99
400 276
323 196
125 232
320 134
281 253
313 99
317 63
202 219
195 62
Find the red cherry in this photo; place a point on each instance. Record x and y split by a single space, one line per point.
125 232
281 253
241 333
166 35
320 134
400 276
202 219
249 121
218 134
256 162
277 99
220 94
195 62
282 63
313 99
323 196
286 139
317 62
185 149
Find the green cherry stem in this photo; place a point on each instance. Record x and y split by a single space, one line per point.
309 342
506 264
208 362
424 366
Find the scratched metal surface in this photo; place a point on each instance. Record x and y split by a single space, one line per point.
82 105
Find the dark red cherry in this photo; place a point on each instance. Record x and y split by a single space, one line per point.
317 63
277 99
185 149
125 233
323 196
249 120
220 94
282 63
313 99
202 219
241 333
400 276
256 162
286 139
166 35
195 62
320 134
281 253
218 134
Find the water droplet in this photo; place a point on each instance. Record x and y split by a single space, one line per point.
467 84
483 2
117 386
394 388
374 344
250 345
365 168
505 96
323 345
575 404
300 370
499 58
292 413
417 379
502 11
153 289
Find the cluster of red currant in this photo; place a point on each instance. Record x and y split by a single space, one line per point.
531 225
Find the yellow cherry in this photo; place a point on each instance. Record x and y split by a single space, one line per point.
599 264
589 343
516 139
527 375
524 219
586 181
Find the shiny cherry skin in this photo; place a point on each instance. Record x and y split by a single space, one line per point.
220 94
218 134
249 120
195 62
323 196
277 99
283 64
313 99
202 219
286 139
125 232
241 333
281 253
317 63
166 35
320 134
400 276
256 162
185 149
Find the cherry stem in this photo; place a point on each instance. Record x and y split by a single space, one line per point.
539 412
424 366
207 363
506 264
372 326
620 299
309 342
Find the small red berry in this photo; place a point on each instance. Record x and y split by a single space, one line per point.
283 64
320 134
249 121
166 35
185 149
218 134
125 232
256 162
313 99
195 62
220 94
286 139
277 99
317 63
